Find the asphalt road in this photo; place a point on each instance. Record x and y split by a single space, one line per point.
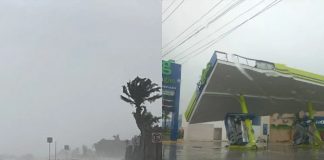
218 151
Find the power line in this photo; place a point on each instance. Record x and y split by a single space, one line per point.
169 6
204 27
209 35
211 43
190 35
173 11
219 16
199 19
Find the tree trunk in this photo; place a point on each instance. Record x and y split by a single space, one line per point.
144 148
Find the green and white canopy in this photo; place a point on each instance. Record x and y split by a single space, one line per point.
267 87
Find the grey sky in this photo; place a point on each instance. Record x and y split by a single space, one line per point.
291 33
62 65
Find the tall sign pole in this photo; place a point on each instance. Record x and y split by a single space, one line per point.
55 151
49 141
171 73
49 151
66 148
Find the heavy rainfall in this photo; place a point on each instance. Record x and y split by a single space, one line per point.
63 65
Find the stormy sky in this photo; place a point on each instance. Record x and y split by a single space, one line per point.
291 33
62 65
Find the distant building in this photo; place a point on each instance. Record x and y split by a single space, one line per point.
110 148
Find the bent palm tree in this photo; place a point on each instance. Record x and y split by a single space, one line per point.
136 93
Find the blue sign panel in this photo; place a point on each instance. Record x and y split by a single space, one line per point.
206 73
171 74
213 59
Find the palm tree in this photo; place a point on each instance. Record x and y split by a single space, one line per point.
136 93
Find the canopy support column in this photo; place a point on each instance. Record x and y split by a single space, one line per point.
248 122
317 136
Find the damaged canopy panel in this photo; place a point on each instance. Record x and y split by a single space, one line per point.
266 89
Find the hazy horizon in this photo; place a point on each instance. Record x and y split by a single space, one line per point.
63 64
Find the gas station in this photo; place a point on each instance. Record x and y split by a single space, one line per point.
236 96
236 93
244 107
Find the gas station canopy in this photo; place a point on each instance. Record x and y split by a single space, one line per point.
267 87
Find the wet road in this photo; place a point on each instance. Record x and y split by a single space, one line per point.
218 151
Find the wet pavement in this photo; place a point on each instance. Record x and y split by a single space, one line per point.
218 151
